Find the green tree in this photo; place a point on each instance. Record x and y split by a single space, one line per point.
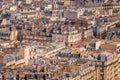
104 34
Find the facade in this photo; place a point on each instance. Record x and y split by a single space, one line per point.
31 14
88 33
69 36
8 35
52 40
108 67
17 60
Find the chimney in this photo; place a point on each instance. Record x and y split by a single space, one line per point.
45 70
33 27
38 68
47 29
77 25
86 24
62 28
14 28
38 23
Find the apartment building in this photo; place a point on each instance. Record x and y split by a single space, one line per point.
108 66
8 35
28 15
16 60
69 70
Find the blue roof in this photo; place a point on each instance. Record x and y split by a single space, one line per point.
6 15
42 7
60 3
19 27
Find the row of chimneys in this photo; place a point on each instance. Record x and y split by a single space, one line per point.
62 27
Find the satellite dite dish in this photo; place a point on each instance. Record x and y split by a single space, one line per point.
83 9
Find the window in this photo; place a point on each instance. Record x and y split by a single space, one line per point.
16 58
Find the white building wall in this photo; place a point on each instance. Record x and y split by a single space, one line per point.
26 55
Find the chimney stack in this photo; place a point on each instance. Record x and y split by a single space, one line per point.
62 28
47 26
45 69
14 28
38 68
47 29
86 24
38 23
77 25
33 27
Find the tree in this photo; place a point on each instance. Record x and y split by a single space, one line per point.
104 34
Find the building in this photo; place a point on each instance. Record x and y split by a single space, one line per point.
6 34
28 15
69 35
71 14
17 60
28 1
108 66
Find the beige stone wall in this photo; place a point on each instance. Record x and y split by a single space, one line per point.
13 35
